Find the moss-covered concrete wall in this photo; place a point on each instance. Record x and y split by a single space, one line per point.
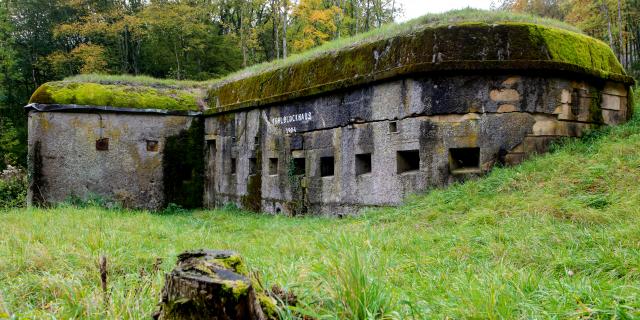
374 145
463 47
467 47
116 157
362 126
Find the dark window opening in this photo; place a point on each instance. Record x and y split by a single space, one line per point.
299 166
253 166
152 145
575 101
102 144
326 166
211 144
256 140
464 159
408 160
363 163
233 165
393 127
273 166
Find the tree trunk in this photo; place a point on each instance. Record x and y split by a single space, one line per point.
209 284
275 8
284 27
621 56
243 40
605 10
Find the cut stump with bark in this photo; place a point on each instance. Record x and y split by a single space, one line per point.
209 284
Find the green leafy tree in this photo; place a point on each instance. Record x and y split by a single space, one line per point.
11 149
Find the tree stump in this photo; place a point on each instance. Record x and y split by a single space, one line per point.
209 284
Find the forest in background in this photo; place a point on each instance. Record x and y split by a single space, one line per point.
45 40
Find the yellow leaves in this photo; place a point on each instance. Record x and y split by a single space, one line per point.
92 58
316 24
85 59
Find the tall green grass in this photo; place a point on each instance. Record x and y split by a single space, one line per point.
556 237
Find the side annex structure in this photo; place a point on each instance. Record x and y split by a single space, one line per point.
357 127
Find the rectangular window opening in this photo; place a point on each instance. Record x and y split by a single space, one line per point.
464 159
363 163
408 160
233 165
102 144
273 166
299 166
326 166
253 166
211 145
393 127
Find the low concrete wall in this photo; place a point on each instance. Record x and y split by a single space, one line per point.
374 145
115 156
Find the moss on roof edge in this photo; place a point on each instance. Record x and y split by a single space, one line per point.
119 96
462 47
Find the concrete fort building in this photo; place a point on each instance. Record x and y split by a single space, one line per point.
361 126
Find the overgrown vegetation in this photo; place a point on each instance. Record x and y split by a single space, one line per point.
13 193
556 237
119 96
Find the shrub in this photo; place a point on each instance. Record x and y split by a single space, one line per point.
13 192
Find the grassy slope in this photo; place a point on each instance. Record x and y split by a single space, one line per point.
557 237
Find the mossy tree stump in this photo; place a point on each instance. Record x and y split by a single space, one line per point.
209 284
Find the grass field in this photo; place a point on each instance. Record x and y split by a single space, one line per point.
557 237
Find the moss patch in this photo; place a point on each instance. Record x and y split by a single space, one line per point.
119 96
419 49
466 46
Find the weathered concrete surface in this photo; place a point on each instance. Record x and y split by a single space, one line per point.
64 160
312 155
365 125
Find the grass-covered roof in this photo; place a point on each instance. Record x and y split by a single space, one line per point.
457 40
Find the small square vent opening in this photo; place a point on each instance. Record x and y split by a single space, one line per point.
152 145
299 166
253 166
273 166
464 160
363 163
408 161
326 166
393 127
102 144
